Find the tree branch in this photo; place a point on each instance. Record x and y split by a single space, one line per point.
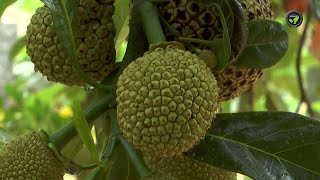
303 95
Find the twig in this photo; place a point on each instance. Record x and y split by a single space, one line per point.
251 98
303 95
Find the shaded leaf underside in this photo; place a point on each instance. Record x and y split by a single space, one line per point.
263 145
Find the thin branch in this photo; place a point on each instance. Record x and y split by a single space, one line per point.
303 95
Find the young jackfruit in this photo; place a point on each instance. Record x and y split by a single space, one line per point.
184 168
166 101
94 41
193 21
28 157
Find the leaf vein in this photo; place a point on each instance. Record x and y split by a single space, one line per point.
262 151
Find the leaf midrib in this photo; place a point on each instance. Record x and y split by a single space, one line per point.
266 43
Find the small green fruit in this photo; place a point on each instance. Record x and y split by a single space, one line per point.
28 157
94 42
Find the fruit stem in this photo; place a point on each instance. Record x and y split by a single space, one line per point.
76 64
170 29
65 134
212 44
150 22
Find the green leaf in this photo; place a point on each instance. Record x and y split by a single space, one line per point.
100 172
225 51
240 30
4 4
121 20
102 127
83 130
222 45
5 136
122 168
17 47
63 22
64 15
263 145
267 44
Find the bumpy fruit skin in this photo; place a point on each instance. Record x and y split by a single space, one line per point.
184 168
28 157
159 176
192 21
94 41
166 100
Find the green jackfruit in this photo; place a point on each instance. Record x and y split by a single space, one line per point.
28 157
94 42
185 168
166 101
193 21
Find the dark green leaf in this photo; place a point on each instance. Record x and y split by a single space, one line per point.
263 145
83 130
100 172
122 167
240 30
225 51
4 4
62 21
222 46
5 136
102 127
267 44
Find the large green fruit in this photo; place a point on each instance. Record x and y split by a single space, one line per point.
28 157
190 20
94 41
184 168
166 101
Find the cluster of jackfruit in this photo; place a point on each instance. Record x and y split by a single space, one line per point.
167 99
94 42
191 20
28 157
